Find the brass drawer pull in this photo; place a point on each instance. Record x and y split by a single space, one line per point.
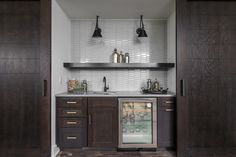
71 137
169 102
71 102
71 122
71 112
169 110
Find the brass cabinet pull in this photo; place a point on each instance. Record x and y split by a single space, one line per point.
169 102
71 102
71 112
71 122
90 119
169 110
71 137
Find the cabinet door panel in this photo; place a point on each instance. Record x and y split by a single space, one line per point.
102 122
166 122
206 62
24 66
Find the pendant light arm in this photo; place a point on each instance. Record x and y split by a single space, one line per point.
97 22
142 22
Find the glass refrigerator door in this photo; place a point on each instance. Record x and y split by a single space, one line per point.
136 123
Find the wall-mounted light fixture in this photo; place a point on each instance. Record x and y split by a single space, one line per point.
97 31
140 31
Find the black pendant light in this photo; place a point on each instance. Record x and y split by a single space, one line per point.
140 31
97 31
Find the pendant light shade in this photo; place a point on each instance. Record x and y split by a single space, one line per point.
97 31
140 31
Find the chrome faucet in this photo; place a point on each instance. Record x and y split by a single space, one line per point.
105 88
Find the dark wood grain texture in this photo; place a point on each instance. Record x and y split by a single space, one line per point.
45 75
166 126
103 122
72 138
71 122
206 61
25 122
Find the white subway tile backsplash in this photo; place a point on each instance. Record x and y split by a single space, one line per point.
120 34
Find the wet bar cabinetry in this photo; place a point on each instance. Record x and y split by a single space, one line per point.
102 122
71 122
93 121
166 122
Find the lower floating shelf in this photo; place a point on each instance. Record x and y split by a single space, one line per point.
154 66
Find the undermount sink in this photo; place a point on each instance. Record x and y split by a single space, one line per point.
103 93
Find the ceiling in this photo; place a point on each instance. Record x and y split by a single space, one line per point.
117 9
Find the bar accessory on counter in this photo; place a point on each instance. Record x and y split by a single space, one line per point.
126 57
156 86
121 58
149 84
72 85
115 56
153 88
85 86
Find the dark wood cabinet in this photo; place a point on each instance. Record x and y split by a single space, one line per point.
25 86
166 125
102 122
206 68
71 122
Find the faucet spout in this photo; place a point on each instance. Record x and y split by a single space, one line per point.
105 88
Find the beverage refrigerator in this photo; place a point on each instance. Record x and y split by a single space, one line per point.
137 123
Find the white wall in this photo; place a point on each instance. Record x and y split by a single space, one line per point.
171 51
120 34
61 48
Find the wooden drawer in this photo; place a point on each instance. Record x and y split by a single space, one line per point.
72 112
72 122
167 102
72 138
72 102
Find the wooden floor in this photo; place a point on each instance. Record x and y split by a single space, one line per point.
96 153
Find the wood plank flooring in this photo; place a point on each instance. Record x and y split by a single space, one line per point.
113 153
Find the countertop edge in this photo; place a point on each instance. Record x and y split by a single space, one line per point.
118 94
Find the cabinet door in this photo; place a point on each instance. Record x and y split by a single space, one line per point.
102 122
206 68
166 122
25 61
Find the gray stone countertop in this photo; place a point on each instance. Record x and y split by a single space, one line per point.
115 94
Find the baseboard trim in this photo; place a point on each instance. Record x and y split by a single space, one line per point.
55 151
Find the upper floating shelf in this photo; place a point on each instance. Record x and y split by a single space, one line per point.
154 66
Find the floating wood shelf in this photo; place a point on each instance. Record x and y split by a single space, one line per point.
154 66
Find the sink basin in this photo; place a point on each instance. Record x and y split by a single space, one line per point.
103 93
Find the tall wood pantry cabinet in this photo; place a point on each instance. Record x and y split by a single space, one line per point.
25 28
206 78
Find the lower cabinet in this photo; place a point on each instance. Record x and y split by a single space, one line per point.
166 122
102 122
71 122
93 122
72 138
